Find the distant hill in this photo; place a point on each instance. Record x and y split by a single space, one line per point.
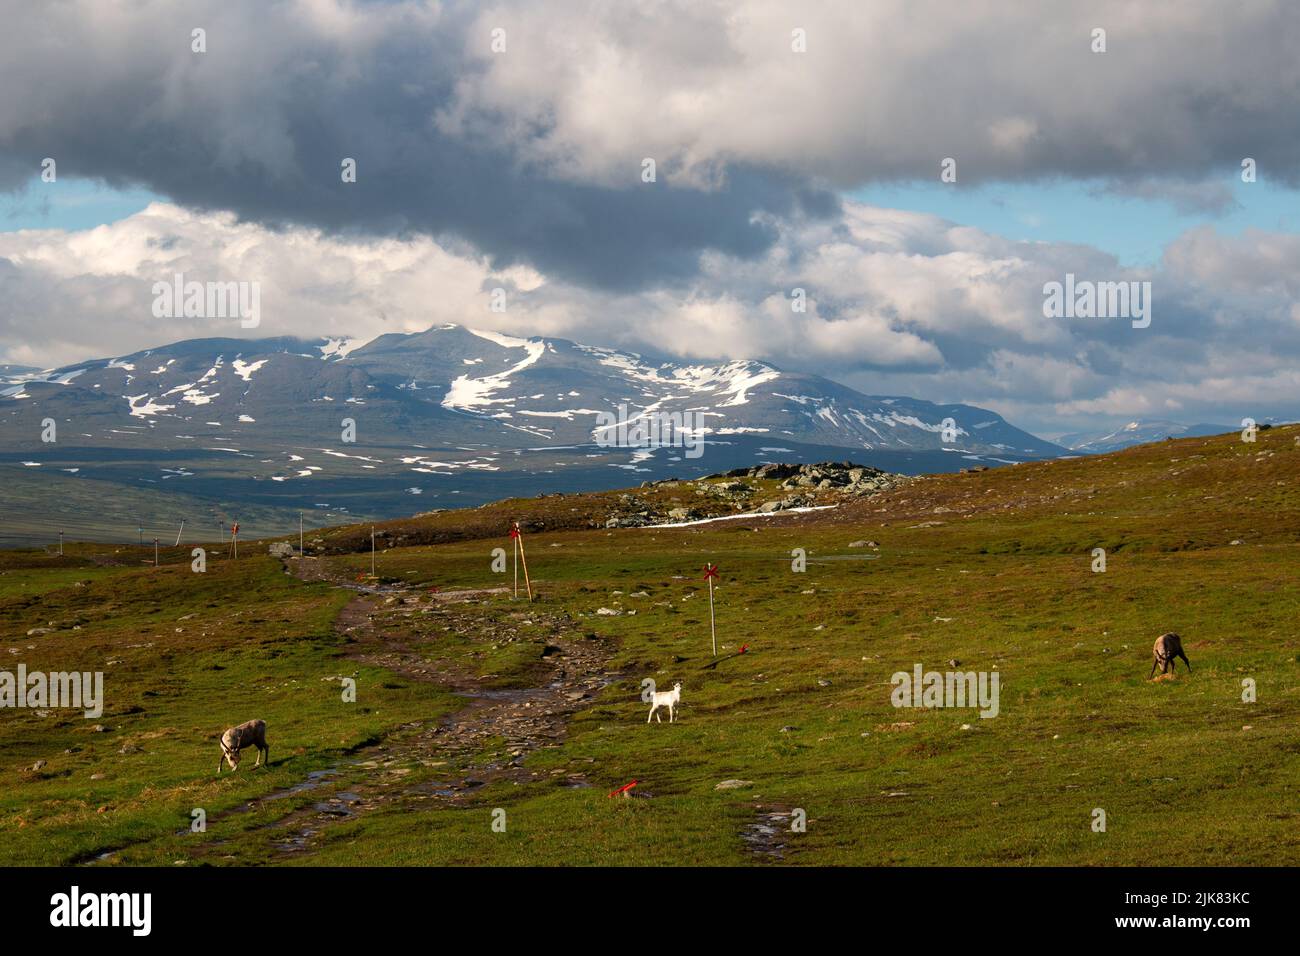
1137 433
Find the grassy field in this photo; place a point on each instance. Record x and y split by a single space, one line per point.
990 569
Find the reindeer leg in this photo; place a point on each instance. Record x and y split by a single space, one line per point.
651 714
1153 669
1187 662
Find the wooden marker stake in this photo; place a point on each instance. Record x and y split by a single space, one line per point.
180 532
514 543
711 572
519 538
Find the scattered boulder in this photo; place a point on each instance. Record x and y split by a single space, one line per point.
281 549
733 784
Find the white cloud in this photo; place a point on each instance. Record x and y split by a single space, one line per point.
898 303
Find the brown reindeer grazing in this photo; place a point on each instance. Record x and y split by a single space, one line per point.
1168 647
250 734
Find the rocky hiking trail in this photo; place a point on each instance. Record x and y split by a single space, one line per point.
444 761
464 748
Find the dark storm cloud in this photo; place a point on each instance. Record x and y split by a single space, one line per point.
198 129
534 155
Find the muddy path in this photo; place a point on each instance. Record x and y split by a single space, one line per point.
487 740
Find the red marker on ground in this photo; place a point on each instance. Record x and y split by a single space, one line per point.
624 789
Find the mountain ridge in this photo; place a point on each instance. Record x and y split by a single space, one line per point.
458 415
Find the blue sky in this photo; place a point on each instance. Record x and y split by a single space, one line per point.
1135 230
76 204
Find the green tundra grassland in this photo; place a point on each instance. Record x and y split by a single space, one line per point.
992 569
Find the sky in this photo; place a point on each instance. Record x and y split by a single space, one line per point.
795 146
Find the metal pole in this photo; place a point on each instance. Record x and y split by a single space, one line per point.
155 552
372 551
60 544
178 533
300 551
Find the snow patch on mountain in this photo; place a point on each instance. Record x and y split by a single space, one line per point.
470 394
245 370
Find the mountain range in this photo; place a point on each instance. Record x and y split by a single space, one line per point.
450 416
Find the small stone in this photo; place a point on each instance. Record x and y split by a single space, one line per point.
733 784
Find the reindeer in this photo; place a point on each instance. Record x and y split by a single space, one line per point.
665 698
250 734
1168 647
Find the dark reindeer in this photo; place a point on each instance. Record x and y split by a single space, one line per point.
1168 647
250 734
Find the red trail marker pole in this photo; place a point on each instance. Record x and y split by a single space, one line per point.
518 536
711 572
514 542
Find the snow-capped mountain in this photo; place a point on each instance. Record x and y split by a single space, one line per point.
451 381
1136 433
453 411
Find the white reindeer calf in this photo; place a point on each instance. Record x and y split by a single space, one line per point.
250 734
665 698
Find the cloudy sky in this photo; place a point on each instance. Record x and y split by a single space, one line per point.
796 145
